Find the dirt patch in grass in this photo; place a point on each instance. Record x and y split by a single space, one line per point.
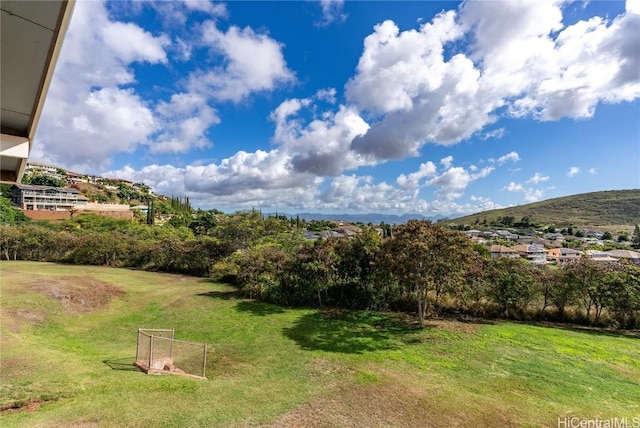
14 318
388 403
24 406
78 295
13 367
466 327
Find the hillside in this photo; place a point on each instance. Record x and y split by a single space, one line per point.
599 209
69 343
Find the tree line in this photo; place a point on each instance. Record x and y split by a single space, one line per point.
421 267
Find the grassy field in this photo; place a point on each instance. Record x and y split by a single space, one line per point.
68 341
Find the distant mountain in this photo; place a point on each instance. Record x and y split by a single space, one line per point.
372 218
599 209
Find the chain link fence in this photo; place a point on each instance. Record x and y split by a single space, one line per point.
159 352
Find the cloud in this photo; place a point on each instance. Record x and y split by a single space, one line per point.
509 157
90 114
186 119
573 171
412 181
361 194
452 183
446 161
214 9
530 194
494 133
522 62
253 62
267 179
537 178
513 187
448 80
131 43
327 95
593 171
332 11
94 111
321 147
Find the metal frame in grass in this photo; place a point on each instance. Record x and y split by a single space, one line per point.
158 352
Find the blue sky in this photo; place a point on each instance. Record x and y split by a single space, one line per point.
365 106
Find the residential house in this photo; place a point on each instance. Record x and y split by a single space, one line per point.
530 240
507 235
632 256
501 251
534 254
40 168
144 209
49 198
473 232
562 255
558 237
599 256
479 240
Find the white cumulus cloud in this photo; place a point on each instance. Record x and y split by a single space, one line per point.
253 62
332 11
523 62
573 171
89 115
537 178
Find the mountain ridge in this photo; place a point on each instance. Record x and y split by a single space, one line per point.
598 209
373 218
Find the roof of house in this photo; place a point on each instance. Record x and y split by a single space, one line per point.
532 240
566 251
501 249
38 187
603 258
624 254
524 248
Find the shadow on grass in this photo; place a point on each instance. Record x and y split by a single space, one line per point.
252 306
124 364
258 308
352 332
223 295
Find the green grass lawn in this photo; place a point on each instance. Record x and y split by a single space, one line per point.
68 342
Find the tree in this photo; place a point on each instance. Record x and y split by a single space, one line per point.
607 236
425 258
108 248
475 286
203 222
635 238
511 284
586 276
547 280
356 270
564 291
240 230
44 180
9 214
625 296
9 241
315 269
151 213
